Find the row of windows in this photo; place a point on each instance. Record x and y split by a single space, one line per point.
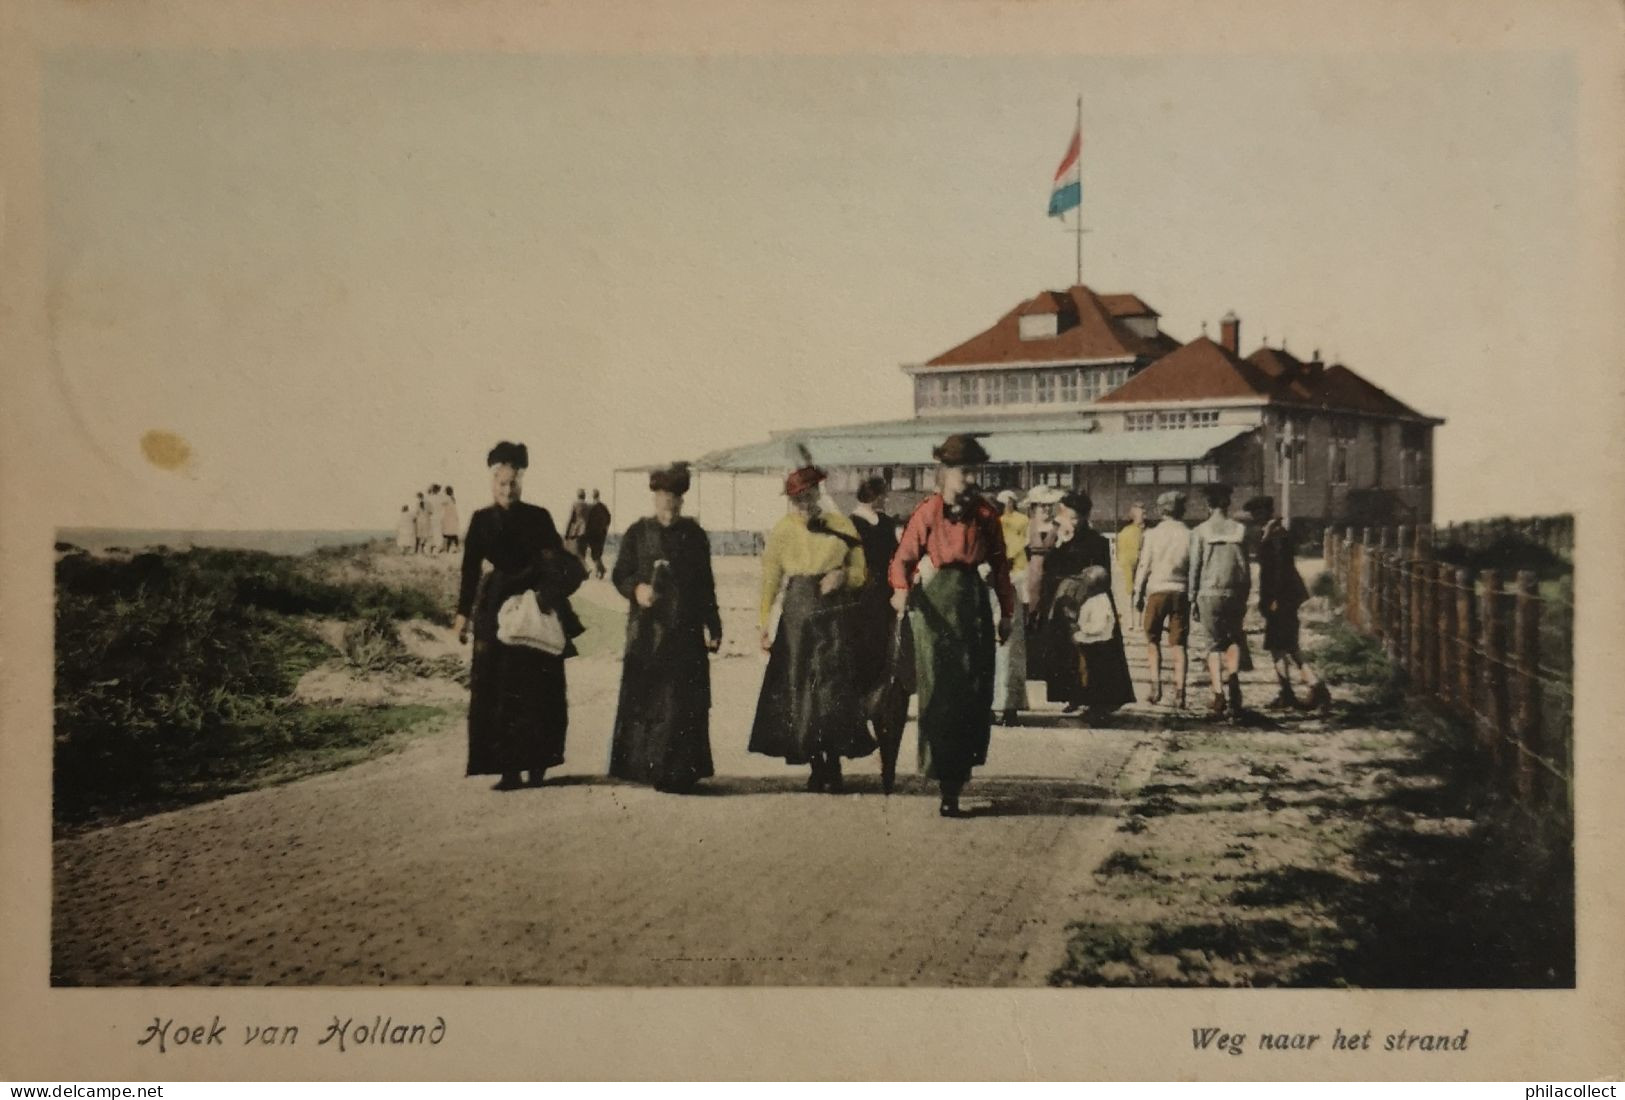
1340 461
1178 473
1049 387
1163 421
991 478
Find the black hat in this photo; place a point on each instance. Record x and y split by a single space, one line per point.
1260 506
508 454
872 489
1218 496
673 479
960 449
1079 502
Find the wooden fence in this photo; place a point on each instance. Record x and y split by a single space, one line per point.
1494 649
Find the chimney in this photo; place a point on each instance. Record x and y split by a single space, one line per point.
1230 333
1315 364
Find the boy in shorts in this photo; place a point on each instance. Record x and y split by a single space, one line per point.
1160 580
1220 580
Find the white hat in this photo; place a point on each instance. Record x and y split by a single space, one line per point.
1043 494
1007 495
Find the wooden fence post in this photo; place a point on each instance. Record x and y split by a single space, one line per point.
1526 650
1466 639
1444 610
1422 620
1368 569
1492 673
1402 600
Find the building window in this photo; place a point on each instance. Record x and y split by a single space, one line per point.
967 390
1117 376
1092 380
1069 387
1204 418
1342 450
1172 420
1338 459
1204 473
1046 387
1140 475
1058 476
1139 422
1172 475
1378 437
902 478
1292 453
1413 456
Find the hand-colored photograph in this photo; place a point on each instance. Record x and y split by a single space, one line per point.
569 520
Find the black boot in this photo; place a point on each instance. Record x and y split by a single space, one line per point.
950 801
538 776
508 782
834 783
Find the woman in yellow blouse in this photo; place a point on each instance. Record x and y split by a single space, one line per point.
809 711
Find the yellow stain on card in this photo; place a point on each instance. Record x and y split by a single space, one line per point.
166 450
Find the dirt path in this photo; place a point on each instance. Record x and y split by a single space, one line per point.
403 871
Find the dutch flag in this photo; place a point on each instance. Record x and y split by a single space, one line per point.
1067 194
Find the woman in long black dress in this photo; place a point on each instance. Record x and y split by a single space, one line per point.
663 723
517 710
883 649
1077 547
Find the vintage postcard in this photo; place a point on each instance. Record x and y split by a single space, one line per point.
890 540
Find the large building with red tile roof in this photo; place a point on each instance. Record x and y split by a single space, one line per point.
1077 389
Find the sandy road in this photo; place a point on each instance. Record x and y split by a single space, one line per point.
403 871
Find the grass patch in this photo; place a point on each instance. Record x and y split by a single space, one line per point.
277 745
173 672
1402 863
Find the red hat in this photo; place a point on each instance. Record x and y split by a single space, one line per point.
803 479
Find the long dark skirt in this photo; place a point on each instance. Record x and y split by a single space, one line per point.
954 640
517 710
1062 682
809 703
663 723
1108 683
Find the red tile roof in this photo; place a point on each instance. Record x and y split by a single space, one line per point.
1203 370
1127 305
1200 371
1089 326
1333 387
1341 388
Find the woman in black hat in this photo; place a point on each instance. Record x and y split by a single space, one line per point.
662 725
517 714
948 538
1077 547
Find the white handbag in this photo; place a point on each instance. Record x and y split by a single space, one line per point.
521 621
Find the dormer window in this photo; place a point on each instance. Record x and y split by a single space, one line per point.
1039 326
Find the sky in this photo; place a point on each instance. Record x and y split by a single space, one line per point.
340 276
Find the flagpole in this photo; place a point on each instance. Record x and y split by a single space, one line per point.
1079 227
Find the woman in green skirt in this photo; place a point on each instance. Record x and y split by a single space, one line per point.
950 536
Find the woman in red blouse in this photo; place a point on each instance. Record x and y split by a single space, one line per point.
948 538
